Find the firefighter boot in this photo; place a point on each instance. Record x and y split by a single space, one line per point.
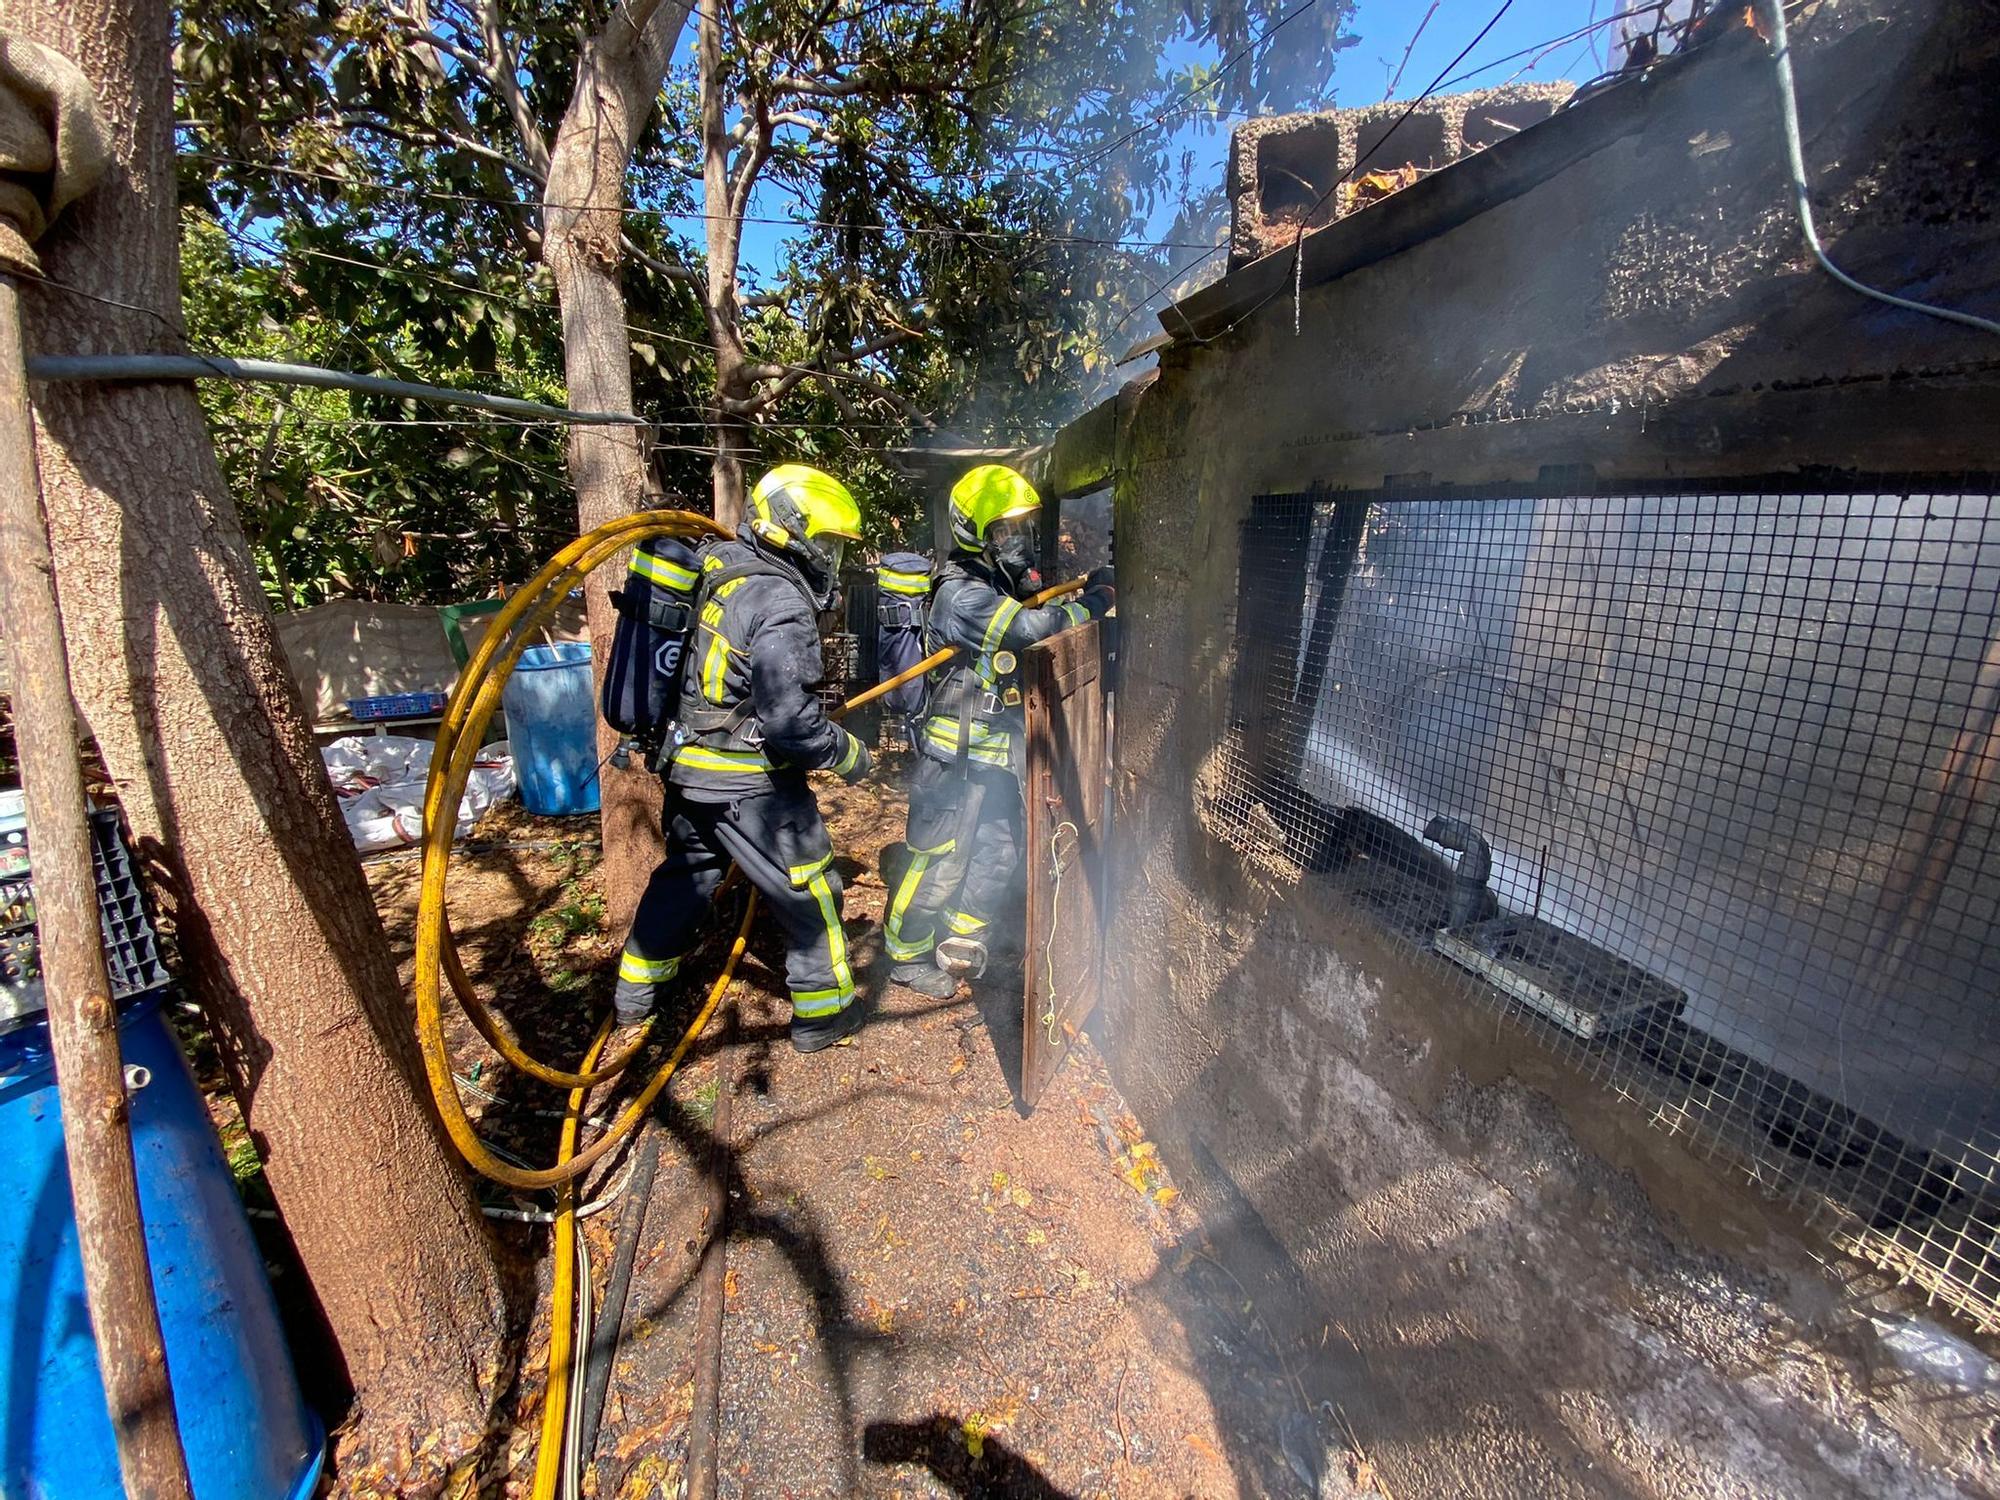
811 1033
926 978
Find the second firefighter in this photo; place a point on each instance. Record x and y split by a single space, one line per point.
967 820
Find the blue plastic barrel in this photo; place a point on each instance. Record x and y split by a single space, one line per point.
552 728
247 1433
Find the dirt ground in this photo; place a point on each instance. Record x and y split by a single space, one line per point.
928 1293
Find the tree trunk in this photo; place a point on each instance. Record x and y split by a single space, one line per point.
180 676
618 78
83 1023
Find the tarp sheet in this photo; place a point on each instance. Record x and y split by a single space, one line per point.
357 648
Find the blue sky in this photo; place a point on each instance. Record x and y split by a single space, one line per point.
1384 29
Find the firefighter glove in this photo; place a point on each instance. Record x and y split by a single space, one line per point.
856 763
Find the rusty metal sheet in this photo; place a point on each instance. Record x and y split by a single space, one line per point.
1065 784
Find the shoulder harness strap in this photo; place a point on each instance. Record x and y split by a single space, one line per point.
729 722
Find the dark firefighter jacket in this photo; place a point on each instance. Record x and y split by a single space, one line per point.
970 610
749 689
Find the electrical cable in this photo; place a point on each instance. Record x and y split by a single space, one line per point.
1788 107
421 273
159 367
610 1322
1589 30
1162 286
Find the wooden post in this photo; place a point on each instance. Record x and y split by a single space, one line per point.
83 1022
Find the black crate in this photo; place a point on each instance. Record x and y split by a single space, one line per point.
131 945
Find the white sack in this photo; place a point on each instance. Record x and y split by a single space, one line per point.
379 779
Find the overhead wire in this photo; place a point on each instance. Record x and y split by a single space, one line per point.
1436 84
1173 277
1255 44
386 268
1588 30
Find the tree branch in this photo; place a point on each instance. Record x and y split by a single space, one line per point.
757 151
431 135
504 73
788 376
654 264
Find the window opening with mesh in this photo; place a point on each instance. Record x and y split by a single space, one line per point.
1702 789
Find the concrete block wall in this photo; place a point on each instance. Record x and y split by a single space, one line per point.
1280 167
1525 1285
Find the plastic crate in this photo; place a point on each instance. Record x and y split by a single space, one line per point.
131 944
397 706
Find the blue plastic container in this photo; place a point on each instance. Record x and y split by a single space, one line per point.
552 728
247 1433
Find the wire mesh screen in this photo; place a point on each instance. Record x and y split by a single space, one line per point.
1701 788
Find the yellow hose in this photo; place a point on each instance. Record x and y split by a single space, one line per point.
538 598
548 1462
467 714
469 710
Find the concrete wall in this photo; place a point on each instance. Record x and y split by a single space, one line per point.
1512 1281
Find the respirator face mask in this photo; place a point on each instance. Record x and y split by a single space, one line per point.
1011 544
819 560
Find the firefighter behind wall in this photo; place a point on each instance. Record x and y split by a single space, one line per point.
967 822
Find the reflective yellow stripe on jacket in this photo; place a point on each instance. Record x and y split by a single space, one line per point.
701 758
662 571
996 628
990 747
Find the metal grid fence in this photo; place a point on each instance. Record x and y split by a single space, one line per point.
1701 788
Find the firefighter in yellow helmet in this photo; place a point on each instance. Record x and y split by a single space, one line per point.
749 727
967 820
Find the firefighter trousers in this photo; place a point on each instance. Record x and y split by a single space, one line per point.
966 834
779 841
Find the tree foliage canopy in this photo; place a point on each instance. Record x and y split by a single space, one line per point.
981 189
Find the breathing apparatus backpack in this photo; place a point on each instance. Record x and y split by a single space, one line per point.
903 605
656 611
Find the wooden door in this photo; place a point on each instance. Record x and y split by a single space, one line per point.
1065 783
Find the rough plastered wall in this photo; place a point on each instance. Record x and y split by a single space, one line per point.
1521 1286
